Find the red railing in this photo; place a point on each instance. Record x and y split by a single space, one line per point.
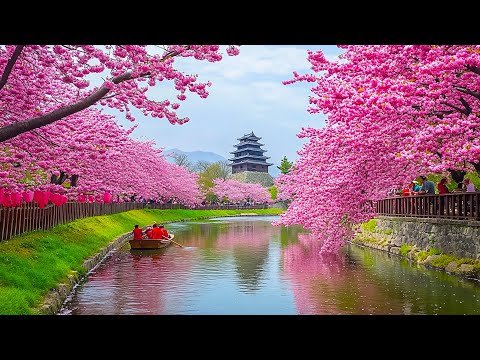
459 206
29 217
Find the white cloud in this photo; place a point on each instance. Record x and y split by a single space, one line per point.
260 60
247 95
257 60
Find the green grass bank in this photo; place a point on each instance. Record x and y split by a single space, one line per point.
33 263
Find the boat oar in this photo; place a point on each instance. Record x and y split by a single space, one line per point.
176 243
170 238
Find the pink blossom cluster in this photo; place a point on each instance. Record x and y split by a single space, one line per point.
394 112
49 86
236 191
110 165
45 78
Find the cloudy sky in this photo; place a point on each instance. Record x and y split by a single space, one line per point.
247 95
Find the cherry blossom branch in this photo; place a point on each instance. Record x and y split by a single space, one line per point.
12 130
467 91
44 138
463 111
15 129
11 62
468 108
474 69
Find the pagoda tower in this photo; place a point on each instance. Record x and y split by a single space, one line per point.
249 155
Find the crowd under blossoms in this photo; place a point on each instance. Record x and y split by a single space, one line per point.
394 112
58 145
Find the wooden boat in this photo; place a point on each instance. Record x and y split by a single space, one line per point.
146 244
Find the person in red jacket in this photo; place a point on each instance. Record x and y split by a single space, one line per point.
137 233
156 232
164 232
149 233
442 187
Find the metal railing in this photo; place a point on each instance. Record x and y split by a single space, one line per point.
457 205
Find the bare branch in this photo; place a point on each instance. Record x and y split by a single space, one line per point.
441 114
474 69
73 49
109 96
455 107
468 108
11 62
468 91
44 138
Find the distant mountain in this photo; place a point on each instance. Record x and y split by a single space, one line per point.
211 157
194 156
273 170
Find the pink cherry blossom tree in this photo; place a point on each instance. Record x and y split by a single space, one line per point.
54 141
43 84
96 156
139 170
394 112
236 191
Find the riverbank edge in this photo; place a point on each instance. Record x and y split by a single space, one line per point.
57 297
368 235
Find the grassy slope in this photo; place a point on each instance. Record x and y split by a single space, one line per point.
33 263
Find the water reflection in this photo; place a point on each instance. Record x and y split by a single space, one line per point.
364 281
415 288
248 266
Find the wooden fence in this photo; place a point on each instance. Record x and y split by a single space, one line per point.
459 206
28 217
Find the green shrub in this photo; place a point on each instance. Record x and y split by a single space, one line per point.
421 255
273 192
442 260
433 251
404 249
370 225
465 261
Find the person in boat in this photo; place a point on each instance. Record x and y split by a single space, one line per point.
149 232
156 232
137 233
165 235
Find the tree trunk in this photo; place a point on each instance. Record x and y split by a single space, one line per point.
62 178
477 166
58 180
458 176
74 180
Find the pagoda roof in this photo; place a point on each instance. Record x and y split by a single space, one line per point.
250 162
249 143
246 149
249 136
250 156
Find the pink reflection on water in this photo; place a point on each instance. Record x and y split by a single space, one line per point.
143 281
251 234
322 284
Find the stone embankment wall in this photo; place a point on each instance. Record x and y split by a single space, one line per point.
452 245
264 179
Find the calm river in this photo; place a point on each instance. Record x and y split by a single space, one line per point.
245 265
